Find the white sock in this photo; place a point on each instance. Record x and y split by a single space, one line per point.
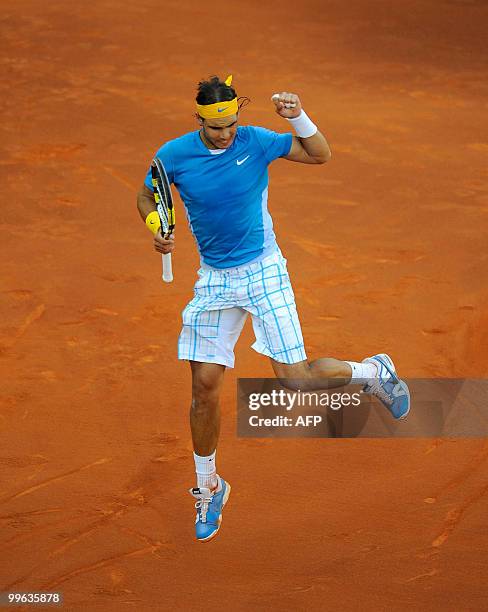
362 372
206 471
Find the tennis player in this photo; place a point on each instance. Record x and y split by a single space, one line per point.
221 173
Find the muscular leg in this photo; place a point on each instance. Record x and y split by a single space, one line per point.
211 492
311 376
207 379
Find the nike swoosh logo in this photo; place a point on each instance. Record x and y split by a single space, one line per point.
241 161
221 110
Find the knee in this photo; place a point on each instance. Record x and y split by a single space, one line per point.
292 384
294 377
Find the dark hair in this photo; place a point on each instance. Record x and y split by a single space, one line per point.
214 90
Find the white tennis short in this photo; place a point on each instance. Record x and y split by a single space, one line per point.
213 320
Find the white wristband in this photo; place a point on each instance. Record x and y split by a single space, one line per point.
304 126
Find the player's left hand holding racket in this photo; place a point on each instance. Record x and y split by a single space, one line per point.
165 208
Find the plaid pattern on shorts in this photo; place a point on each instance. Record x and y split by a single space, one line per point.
213 320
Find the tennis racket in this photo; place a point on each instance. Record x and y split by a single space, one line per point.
165 208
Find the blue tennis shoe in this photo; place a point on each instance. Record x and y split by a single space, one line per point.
392 392
209 510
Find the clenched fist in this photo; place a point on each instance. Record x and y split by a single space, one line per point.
287 104
163 245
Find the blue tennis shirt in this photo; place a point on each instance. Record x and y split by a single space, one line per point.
226 195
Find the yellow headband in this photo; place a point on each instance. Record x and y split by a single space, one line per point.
219 109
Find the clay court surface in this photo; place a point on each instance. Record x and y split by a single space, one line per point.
386 247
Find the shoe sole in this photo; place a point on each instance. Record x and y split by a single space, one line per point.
380 357
224 501
404 416
404 385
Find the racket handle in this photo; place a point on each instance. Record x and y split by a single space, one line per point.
167 268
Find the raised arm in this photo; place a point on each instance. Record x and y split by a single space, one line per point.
309 146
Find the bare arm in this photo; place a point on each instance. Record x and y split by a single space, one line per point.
145 205
311 150
145 202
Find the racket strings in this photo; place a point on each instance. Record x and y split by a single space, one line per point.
163 197
168 207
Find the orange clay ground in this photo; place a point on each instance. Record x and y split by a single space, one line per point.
387 252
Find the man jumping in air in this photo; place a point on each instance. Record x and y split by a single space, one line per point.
221 173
